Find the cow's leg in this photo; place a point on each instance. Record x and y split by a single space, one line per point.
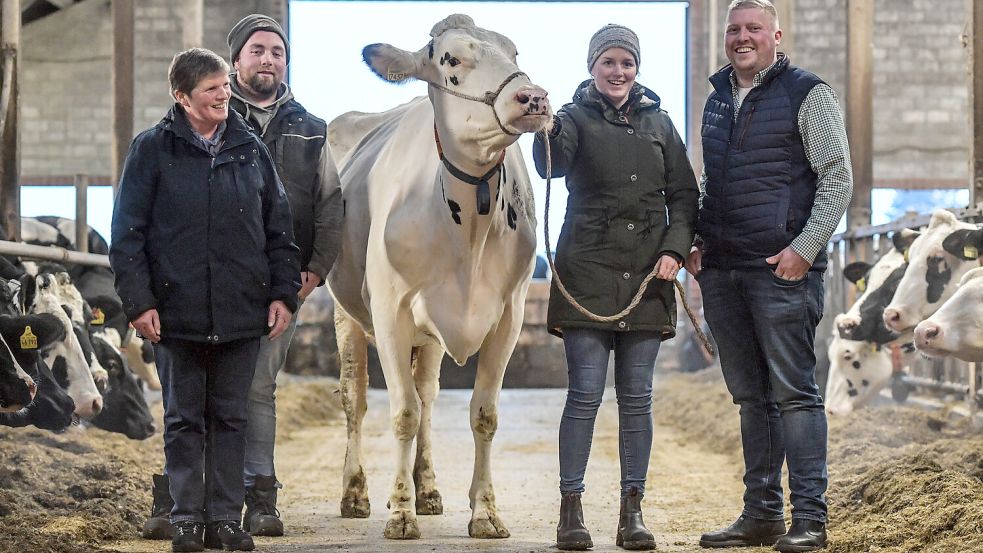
492 359
426 372
394 342
353 381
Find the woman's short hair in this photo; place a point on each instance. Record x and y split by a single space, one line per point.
189 67
765 5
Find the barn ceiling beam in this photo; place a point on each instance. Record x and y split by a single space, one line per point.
860 107
123 87
975 44
9 119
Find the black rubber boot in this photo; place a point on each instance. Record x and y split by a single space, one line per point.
571 534
158 526
227 535
803 535
188 536
745 532
632 533
262 518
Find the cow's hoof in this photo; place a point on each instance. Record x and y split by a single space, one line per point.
354 506
487 528
429 503
402 526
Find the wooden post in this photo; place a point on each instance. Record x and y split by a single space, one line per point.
786 21
192 18
975 44
696 16
81 213
860 107
860 111
9 119
122 77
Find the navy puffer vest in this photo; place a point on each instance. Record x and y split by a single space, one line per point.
760 188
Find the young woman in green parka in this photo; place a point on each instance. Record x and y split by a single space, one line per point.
631 208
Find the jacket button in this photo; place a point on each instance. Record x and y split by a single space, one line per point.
631 131
622 324
634 178
626 276
242 156
215 338
631 226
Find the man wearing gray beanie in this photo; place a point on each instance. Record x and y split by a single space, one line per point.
259 52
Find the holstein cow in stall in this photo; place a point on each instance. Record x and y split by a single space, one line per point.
956 329
932 276
437 252
864 321
857 373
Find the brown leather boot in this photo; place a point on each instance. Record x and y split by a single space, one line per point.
571 534
632 533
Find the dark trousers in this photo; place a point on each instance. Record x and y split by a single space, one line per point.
765 329
587 352
205 389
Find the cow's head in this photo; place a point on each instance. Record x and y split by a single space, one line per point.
877 284
932 274
23 338
124 408
957 327
857 372
482 101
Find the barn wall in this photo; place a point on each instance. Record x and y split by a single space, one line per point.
65 86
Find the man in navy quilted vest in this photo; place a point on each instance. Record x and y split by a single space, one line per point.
776 181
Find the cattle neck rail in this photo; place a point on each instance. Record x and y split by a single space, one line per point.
938 377
52 253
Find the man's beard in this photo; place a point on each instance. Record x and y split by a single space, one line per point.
262 86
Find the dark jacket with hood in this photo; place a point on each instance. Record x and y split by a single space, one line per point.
206 240
633 197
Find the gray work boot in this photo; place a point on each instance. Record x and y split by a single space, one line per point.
262 518
158 526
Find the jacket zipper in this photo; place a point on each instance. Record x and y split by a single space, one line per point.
747 123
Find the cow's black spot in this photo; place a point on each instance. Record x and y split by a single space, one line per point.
511 217
454 80
852 392
937 276
60 369
455 209
856 365
871 327
865 382
430 50
445 57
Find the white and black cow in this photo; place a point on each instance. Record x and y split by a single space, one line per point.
932 275
437 252
858 371
864 321
956 329
125 409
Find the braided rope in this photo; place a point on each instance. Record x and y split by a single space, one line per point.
641 289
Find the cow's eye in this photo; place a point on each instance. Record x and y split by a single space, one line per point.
454 62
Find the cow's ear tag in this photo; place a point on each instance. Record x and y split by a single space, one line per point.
98 317
862 284
906 255
970 252
28 340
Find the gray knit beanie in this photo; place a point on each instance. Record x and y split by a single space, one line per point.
248 25
612 36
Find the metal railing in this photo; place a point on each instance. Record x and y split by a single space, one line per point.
947 376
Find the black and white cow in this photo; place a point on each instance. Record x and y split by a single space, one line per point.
864 321
932 276
125 410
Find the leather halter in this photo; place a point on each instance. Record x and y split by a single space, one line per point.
483 192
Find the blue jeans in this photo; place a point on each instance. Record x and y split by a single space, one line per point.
261 408
204 389
587 352
765 329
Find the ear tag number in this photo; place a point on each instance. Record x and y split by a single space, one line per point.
28 340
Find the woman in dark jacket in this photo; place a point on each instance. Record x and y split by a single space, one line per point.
631 210
205 264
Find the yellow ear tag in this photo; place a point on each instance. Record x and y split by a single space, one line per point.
906 255
862 284
28 340
98 317
970 252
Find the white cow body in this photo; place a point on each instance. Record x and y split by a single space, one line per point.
857 373
422 278
956 329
